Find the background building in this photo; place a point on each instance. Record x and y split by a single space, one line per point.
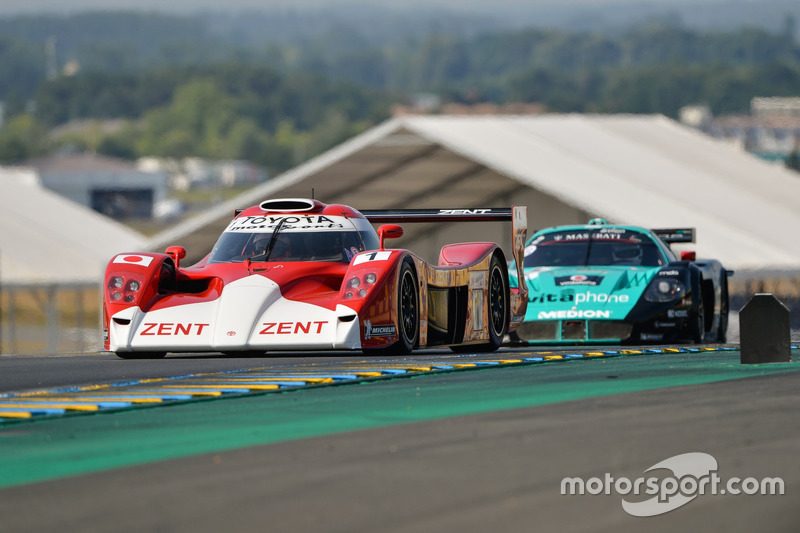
771 130
110 186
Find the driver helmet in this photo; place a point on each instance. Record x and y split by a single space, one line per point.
258 244
282 248
627 253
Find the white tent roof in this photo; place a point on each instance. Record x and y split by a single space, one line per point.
637 169
45 238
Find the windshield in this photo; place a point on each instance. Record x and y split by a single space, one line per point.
606 247
328 246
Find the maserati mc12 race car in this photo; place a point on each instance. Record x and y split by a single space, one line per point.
602 283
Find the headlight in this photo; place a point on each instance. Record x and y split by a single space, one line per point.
121 291
354 288
664 290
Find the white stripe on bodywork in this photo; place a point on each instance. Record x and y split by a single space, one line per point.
250 313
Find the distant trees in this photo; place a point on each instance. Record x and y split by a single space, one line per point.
187 86
221 112
22 138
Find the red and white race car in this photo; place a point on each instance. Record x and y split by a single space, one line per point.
296 274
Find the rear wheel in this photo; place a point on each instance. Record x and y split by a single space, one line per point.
141 355
699 321
724 308
498 310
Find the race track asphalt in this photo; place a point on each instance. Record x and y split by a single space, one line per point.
23 372
497 470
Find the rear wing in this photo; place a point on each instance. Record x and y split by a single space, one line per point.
675 235
489 214
517 215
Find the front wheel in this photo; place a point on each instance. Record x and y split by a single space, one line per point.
245 353
141 355
407 314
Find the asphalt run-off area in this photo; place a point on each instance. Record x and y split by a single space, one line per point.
424 442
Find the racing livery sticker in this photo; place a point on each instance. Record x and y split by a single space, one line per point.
173 328
578 279
378 330
581 298
464 211
571 313
372 256
130 259
292 328
289 223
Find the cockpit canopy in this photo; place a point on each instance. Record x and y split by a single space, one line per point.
592 247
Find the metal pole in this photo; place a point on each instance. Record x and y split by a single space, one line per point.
12 320
79 318
2 300
52 319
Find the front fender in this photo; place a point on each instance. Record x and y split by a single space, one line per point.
131 280
375 302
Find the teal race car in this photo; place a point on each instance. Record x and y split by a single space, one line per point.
609 284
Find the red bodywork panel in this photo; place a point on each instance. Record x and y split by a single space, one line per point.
464 254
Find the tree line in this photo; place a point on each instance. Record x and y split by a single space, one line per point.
221 112
180 86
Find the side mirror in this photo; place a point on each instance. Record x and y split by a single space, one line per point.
688 255
176 253
389 231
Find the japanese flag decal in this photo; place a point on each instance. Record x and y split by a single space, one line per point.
131 259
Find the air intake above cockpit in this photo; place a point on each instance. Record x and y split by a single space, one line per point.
290 205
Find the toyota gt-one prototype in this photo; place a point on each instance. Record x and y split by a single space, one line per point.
601 283
296 274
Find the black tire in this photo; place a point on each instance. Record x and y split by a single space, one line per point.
499 308
141 355
407 314
698 325
724 308
245 353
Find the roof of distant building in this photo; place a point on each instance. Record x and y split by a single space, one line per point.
81 162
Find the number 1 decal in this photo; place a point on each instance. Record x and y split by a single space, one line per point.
372 256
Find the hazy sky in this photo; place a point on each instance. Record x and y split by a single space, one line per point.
61 6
